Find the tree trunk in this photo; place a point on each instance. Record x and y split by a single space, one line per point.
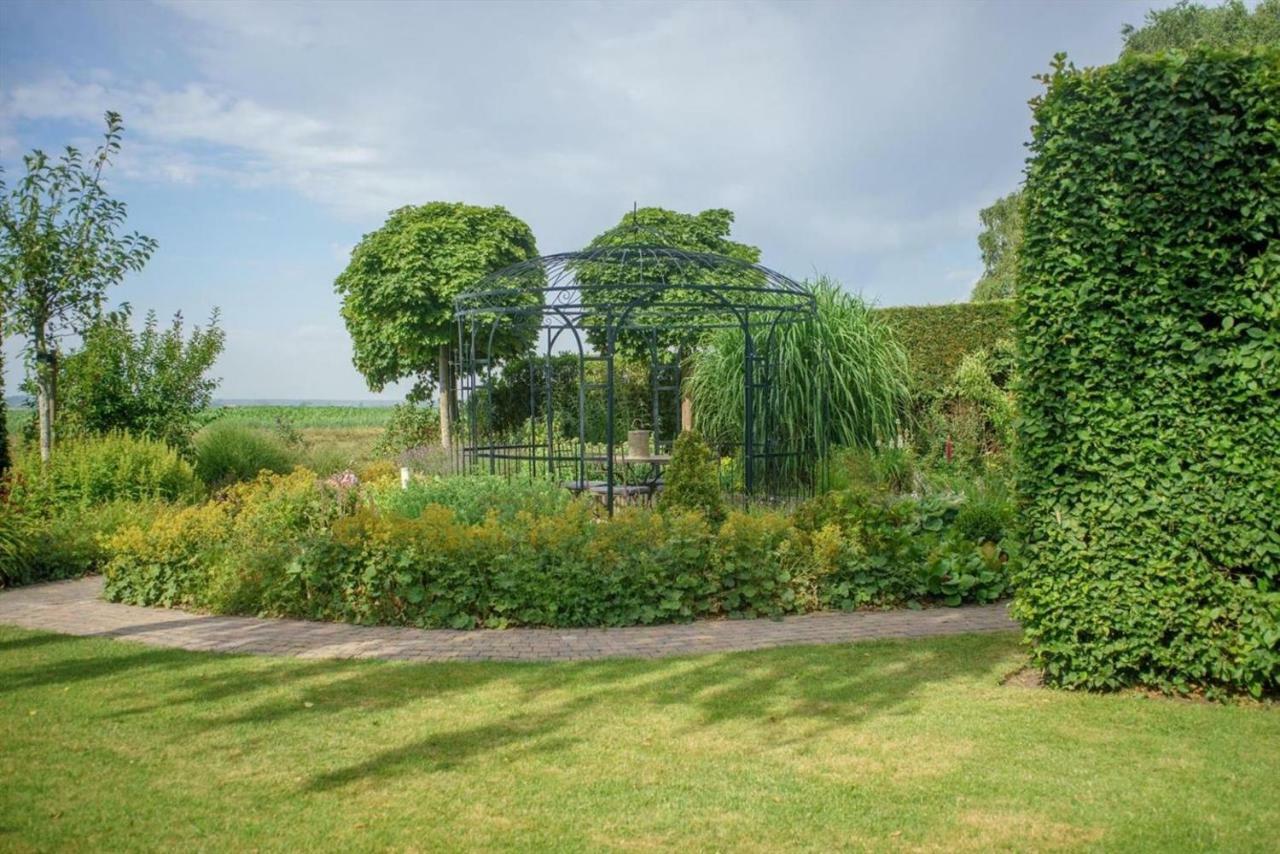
445 371
46 392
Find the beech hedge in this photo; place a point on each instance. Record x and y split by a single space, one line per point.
1149 349
938 337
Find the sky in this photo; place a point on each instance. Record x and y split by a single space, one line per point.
855 139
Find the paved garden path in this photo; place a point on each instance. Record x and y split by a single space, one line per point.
75 608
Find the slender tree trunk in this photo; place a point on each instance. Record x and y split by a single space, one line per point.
46 392
445 371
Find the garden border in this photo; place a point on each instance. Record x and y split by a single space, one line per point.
76 608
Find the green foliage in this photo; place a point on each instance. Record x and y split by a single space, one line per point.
1187 25
59 253
705 232
303 416
410 426
228 453
473 497
874 549
846 353
474 551
97 470
633 401
885 469
691 481
151 383
397 292
230 554
1150 357
999 241
977 410
937 337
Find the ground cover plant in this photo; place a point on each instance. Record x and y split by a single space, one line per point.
1150 350
56 513
469 551
873 746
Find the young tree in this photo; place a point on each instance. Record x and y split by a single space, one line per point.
59 253
999 242
1187 25
397 293
151 383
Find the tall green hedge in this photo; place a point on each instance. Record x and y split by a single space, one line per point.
1150 362
937 337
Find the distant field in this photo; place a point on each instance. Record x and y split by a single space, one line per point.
329 417
16 417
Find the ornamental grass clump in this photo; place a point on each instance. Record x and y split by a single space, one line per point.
845 353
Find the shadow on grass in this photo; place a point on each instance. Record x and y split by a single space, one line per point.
541 706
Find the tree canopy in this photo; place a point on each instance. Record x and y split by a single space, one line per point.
705 232
999 241
1187 25
398 290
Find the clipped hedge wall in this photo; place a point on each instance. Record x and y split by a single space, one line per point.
937 337
1150 361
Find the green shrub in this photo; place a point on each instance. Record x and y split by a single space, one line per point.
15 552
958 572
984 519
68 543
229 554
760 567
473 497
293 546
1150 357
410 426
889 470
566 569
228 453
90 471
691 480
938 337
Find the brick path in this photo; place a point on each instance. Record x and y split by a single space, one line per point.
74 608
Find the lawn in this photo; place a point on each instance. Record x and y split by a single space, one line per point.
110 745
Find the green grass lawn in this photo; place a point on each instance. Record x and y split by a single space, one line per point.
109 745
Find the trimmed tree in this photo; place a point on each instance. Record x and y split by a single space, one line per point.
59 253
398 290
706 232
1149 350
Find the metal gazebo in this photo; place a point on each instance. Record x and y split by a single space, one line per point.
582 325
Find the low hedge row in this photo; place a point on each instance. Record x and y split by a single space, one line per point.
292 546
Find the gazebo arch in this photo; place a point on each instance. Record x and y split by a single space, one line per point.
638 303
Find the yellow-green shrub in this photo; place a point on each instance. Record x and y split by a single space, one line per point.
96 470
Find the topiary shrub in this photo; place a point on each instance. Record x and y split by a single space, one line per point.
230 453
1150 362
692 482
